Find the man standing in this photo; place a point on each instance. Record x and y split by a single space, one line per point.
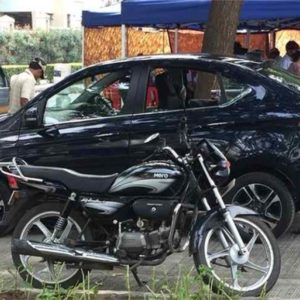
22 85
291 47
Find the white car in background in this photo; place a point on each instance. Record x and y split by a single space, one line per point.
4 89
44 84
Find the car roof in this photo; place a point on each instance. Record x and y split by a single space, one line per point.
239 60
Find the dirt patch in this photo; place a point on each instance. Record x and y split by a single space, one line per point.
17 295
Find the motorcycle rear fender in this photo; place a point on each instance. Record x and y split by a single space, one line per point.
27 198
212 219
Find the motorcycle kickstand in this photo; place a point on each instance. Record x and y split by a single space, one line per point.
134 272
137 278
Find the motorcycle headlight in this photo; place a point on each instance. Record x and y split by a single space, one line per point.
221 172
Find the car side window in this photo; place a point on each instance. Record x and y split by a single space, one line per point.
223 90
171 88
101 95
165 90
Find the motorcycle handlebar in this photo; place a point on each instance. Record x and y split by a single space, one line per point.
171 151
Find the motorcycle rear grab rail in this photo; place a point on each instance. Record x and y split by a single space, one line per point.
5 169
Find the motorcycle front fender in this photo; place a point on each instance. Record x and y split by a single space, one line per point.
211 219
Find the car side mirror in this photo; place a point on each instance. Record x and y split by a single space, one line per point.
31 117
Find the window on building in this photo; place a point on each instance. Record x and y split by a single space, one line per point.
68 20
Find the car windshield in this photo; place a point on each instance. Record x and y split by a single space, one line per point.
284 77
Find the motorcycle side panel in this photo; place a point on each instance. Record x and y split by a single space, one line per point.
150 178
98 207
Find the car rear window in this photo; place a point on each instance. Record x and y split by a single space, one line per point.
282 76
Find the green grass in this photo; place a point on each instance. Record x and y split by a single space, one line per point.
186 286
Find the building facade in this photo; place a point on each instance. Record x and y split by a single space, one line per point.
36 14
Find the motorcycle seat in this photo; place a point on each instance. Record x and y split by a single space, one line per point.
72 180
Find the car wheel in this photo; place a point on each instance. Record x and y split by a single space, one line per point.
4 197
267 195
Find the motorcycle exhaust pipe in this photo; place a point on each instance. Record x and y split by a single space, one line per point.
61 252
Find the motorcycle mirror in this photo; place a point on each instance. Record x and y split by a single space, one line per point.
152 137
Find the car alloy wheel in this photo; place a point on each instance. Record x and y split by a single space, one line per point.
268 196
262 199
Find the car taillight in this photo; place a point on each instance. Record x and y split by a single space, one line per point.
12 182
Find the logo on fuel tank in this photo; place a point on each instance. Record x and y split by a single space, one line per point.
161 175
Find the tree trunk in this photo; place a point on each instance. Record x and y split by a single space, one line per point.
218 38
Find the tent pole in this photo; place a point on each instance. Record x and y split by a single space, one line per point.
124 52
82 45
272 39
273 34
163 49
248 39
176 40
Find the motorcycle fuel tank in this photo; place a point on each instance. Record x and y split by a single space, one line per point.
150 178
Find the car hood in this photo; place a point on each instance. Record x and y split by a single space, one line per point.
3 117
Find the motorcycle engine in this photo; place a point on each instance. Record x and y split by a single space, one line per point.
149 232
140 238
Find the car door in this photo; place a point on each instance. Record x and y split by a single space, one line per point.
159 109
84 125
227 109
237 98
4 91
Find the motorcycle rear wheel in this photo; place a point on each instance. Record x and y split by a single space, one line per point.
225 271
37 225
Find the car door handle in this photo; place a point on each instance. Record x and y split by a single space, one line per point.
215 125
103 137
49 132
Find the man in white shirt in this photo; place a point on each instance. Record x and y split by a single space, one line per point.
291 47
22 85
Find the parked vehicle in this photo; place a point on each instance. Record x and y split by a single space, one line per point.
97 119
3 88
140 217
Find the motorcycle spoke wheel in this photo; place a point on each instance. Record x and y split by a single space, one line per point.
227 270
38 226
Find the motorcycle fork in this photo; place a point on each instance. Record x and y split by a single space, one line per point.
226 214
63 218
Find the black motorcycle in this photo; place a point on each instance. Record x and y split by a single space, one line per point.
138 218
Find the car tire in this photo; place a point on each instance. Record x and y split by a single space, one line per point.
267 195
5 193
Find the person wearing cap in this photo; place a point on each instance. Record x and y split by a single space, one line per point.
22 85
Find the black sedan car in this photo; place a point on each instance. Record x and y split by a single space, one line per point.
96 121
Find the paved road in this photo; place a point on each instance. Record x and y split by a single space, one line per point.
287 287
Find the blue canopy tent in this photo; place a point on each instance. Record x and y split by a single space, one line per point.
193 14
255 14
107 16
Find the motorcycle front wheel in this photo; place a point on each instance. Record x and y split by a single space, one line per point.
37 225
225 269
